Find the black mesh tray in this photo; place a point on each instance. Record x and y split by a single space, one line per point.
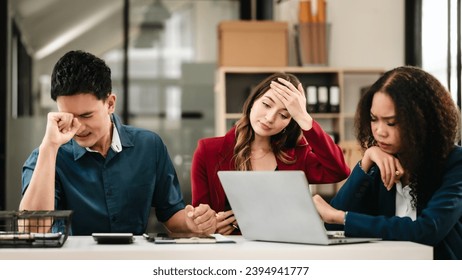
34 229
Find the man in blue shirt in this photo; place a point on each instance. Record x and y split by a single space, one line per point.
108 173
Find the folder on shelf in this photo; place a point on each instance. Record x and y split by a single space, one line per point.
322 32
323 99
334 99
312 99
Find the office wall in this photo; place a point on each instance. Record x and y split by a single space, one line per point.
364 33
367 33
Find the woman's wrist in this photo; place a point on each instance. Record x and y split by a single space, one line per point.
306 122
365 164
338 217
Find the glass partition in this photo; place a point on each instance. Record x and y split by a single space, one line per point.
172 58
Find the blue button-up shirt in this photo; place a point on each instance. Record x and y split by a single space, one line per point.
116 193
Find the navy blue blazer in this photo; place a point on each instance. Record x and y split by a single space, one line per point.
371 210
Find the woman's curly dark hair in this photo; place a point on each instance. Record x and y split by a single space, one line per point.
428 121
287 138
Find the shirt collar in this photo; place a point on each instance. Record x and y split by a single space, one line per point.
120 138
116 146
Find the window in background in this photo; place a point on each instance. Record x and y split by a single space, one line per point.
439 42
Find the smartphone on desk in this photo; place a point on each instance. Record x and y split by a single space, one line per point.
113 238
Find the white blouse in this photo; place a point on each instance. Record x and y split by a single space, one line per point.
403 202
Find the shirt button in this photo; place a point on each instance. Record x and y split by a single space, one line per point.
113 218
109 193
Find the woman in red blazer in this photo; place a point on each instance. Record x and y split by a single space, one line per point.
275 132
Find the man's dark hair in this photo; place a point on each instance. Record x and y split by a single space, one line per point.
81 72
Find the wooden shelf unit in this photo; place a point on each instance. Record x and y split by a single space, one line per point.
233 85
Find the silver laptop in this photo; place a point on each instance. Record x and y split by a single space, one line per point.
277 206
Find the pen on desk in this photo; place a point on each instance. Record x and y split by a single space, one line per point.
235 226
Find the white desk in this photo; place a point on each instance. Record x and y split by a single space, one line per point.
84 248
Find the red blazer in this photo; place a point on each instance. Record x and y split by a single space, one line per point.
320 158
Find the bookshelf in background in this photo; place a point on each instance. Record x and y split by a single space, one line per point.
332 97
332 94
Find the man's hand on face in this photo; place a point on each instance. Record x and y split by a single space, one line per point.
61 127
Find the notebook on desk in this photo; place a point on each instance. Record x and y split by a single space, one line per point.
278 206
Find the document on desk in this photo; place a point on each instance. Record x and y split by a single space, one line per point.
186 238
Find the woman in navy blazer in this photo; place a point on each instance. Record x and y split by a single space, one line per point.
275 132
408 185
